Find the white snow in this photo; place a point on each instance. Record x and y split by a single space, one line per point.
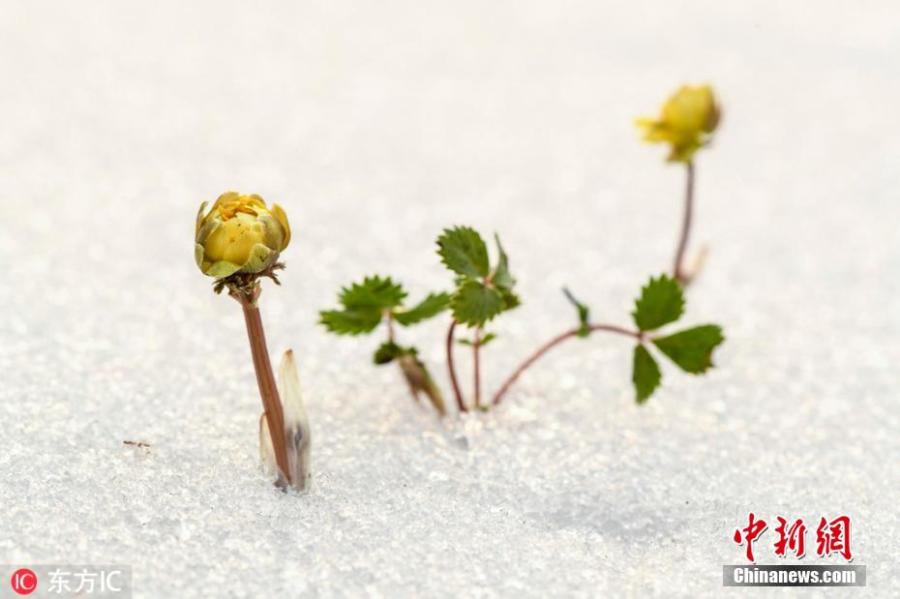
375 125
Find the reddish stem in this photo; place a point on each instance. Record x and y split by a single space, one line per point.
265 379
452 369
534 357
678 269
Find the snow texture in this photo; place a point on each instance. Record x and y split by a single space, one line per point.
375 125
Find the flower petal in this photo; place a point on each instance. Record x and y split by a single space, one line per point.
199 222
210 223
228 196
273 236
222 269
281 216
198 255
260 259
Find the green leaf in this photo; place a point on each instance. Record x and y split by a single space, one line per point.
661 302
474 304
350 322
502 278
484 340
463 251
487 339
376 292
364 305
431 306
387 352
510 299
584 314
645 373
692 348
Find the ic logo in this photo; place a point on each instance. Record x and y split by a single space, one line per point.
24 581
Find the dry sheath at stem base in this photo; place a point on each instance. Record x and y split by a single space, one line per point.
296 427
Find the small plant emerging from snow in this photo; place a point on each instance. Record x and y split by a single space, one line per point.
484 289
238 242
483 293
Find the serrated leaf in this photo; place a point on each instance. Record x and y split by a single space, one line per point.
584 314
645 374
431 306
350 322
692 348
510 299
661 302
463 251
502 277
387 352
474 304
374 292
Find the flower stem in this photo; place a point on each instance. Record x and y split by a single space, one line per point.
534 357
451 368
678 268
265 379
476 346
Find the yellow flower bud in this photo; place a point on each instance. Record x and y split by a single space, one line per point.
239 234
686 122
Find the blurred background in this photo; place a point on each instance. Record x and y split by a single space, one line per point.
375 125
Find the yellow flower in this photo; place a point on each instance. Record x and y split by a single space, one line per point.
239 234
686 123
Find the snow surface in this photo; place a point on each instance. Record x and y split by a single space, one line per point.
375 125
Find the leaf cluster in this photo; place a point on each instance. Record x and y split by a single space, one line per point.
661 302
365 304
482 291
